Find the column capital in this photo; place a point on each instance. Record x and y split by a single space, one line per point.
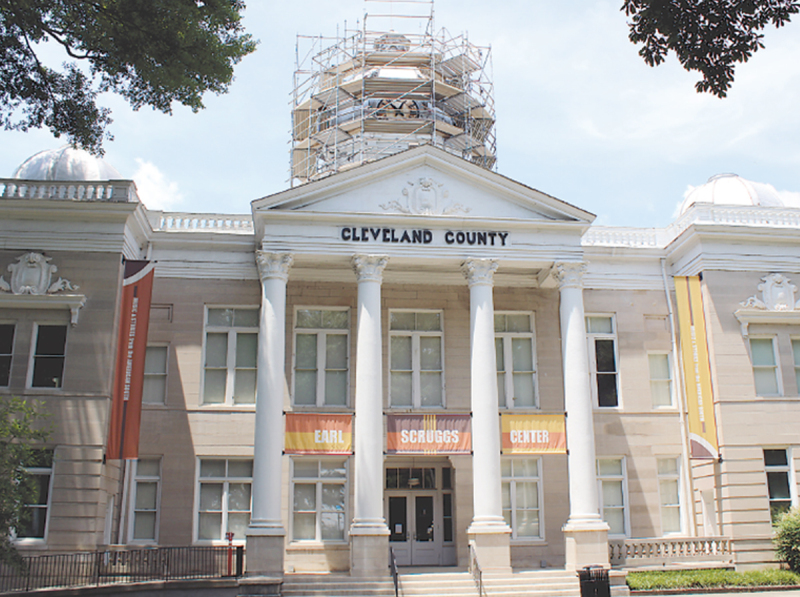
369 268
273 265
479 272
570 274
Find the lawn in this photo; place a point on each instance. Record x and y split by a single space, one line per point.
680 579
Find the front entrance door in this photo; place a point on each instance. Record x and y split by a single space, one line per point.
412 523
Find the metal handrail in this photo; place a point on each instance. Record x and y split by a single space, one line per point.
395 574
475 569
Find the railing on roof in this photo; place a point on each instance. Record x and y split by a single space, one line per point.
188 222
124 566
120 191
664 551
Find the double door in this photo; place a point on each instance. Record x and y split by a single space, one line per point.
415 525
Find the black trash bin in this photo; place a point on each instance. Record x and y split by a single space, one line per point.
594 582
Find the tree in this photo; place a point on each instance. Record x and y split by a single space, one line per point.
151 52
21 434
787 539
709 36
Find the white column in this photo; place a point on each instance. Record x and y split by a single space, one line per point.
265 535
585 531
488 531
369 533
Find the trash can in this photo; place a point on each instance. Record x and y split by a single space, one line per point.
594 582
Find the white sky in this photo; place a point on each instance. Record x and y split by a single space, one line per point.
580 116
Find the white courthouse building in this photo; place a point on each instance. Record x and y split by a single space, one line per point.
408 349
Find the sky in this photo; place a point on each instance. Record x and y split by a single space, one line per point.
580 116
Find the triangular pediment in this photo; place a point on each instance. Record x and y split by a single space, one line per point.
424 181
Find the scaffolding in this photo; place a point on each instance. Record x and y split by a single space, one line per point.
372 92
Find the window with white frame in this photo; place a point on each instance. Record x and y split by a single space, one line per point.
47 367
416 359
522 497
660 379
669 492
765 366
319 490
602 337
231 347
223 498
146 497
776 463
321 357
796 354
155 375
515 350
613 494
6 351
36 512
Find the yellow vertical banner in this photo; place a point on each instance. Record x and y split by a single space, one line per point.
696 368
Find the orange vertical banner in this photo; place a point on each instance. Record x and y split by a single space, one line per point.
126 398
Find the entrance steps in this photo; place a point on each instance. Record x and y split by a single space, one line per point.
441 583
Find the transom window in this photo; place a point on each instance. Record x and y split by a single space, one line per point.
515 351
321 357
411 478
230 356
318 499
521 497
416 362
223 498
613 500
602 338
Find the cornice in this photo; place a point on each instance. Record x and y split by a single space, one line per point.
73 302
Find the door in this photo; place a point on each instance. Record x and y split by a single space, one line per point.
413 530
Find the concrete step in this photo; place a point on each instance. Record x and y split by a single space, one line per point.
335 585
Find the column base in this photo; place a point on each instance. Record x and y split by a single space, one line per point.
369 554
492 545
265 554
586 544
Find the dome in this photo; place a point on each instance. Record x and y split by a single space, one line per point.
66 163
730 189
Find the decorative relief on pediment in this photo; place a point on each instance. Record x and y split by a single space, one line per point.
425 197
32 274
777 294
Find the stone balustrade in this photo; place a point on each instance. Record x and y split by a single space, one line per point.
188 222
110 190
632 553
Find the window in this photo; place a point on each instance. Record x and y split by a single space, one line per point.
765 367
516 359
521 497
669 491
603 359
321 357
415 357
6 350
660 379
230 356
447 505
147 486
48 356
776 463
155 375
36 511
796 353
612 486
223 498
318 499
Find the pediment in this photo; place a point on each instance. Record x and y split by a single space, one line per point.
425 181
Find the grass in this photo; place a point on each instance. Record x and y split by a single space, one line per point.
684 579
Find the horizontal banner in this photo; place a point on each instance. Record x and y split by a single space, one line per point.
318 434
428 434
533 434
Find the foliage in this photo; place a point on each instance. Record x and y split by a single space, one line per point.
787 539
151 52
681 579
20 431
709 36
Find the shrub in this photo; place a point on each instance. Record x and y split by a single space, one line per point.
654 580
787 539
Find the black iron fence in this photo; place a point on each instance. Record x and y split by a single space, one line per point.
123 566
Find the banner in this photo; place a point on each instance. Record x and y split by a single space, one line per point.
428 434
126 398
318 434
533 434
696 368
